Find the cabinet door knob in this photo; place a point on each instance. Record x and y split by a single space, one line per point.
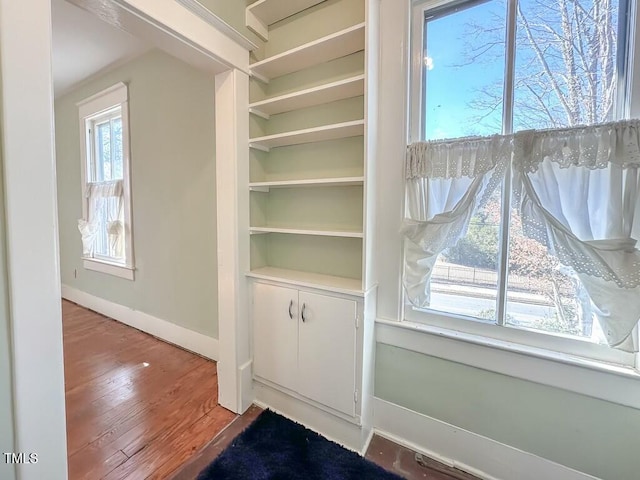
290 306
304 305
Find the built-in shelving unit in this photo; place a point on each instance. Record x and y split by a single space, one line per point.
349 286
312 136
330 47
318 225
330 92
261 14
309 135
312 182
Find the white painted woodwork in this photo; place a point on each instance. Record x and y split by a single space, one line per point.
311 182
331 424
336 45
30 227
275 334
168 25
232 175
327 350
306 343
372 73
478 455
254 24
309 135
330 283
333 385
329 92
298 231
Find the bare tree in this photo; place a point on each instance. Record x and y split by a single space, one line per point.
565 63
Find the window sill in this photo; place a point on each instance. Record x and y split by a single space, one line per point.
612 383
109 268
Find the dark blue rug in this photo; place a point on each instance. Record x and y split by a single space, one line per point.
275 448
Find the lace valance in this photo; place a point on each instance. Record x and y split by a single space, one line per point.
468 157
592 147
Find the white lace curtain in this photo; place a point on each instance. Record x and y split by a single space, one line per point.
105 202
576 191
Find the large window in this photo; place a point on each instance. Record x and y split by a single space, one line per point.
106 224
497 67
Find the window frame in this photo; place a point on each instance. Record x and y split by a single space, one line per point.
90 110
509 338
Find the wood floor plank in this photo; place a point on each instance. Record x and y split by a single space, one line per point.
135 404
177 446
136 432
143 394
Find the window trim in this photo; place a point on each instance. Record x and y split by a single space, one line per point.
89 110
492 334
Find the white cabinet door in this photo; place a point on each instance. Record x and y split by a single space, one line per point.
327 351
275 334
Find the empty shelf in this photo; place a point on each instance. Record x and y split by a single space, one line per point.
298 231
309 135
349 286
313 182
330 92
336 45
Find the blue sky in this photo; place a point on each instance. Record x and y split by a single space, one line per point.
452 85
455 79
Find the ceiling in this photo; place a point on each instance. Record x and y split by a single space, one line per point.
84 45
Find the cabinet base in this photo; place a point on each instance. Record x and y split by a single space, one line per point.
348 434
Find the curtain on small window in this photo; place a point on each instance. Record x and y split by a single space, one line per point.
576 190
105 202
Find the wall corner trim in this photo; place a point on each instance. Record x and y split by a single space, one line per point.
167 331
462 449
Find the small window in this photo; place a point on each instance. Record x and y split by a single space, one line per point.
105 226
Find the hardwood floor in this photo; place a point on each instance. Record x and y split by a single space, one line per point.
137 408
408 464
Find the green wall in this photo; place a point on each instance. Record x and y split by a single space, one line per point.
171 111
6 398
589 435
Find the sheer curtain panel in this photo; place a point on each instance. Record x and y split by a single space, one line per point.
576 190
105 202
446 181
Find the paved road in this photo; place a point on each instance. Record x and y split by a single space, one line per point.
469 305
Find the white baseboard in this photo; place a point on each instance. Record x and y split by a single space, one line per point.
467 451
348 434
167 331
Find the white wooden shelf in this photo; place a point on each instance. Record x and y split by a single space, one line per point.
330 92
298 231
336 45
309 135
261 14
313 182
349 286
